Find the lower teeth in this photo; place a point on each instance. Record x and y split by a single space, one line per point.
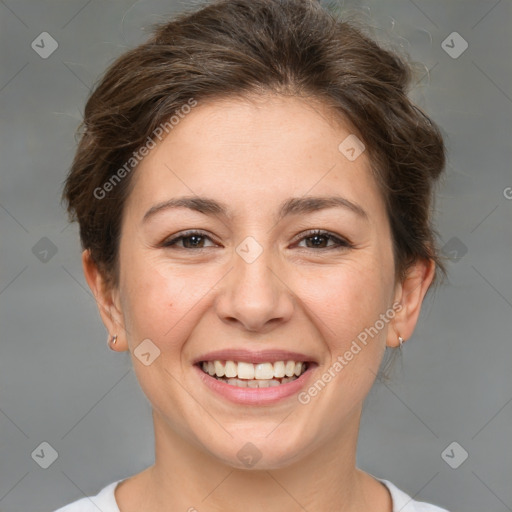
254 383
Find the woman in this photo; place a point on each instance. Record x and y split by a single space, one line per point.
253 189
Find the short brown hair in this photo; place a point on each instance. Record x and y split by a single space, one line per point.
240 47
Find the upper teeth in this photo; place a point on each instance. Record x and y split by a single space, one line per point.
263 371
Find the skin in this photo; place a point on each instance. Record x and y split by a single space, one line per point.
253 154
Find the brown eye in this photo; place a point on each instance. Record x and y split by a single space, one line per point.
189 240
319 239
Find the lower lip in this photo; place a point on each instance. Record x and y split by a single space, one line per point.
255 396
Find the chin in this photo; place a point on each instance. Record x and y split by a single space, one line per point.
260 451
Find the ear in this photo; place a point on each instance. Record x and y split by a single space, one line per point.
410 294
107 300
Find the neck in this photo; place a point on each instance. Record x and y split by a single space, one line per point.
185 477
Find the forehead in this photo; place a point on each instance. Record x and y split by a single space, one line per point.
255 149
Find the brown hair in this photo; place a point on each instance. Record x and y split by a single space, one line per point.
240 47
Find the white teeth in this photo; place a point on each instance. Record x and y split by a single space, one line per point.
230 369
254 383
242 370
279 369
290 368
219 368
264 371
245 371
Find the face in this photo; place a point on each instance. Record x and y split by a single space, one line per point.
255 271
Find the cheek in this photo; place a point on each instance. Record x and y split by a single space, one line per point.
160 301
346 299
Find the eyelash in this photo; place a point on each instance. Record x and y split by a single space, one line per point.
340 242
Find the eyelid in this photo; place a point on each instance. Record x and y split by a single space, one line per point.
341 242
173 239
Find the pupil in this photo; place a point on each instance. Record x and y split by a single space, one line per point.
316 238
194 239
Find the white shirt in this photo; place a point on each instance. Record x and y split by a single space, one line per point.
106 502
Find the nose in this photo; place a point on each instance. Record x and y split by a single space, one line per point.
254 294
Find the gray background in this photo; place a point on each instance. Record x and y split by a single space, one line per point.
60 383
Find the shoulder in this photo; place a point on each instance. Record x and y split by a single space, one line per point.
105 501
404 503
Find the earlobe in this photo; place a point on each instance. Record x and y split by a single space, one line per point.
106 301
410 294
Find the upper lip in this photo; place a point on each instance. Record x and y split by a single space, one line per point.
248 356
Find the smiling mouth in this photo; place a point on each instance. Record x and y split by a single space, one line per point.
248 375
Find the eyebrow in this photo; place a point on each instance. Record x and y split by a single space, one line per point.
292 206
